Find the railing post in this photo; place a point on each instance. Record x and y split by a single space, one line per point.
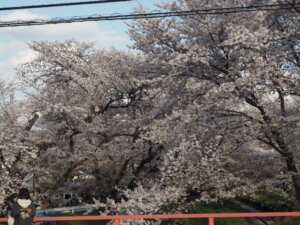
211 221
117 222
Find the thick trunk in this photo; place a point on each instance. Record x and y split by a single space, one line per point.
296 182
291 166
290 161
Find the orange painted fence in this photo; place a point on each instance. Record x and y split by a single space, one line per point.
118 218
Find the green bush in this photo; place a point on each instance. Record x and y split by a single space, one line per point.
264 200
287 221
227 207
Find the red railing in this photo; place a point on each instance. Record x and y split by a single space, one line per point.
118 218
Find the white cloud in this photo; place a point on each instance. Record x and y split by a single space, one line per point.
17 53
108 39
23 57
7 72
80 30
11 46
21 15
14 50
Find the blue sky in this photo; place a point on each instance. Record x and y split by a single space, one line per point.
13 48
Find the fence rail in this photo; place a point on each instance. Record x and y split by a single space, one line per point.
118 218
64 210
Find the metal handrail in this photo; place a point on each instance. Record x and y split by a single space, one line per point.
118 218
64 209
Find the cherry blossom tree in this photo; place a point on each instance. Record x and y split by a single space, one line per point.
17 152
159 130
84 101
128 124
246 67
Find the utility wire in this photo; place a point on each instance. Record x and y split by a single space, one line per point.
213 11
60 4
112 1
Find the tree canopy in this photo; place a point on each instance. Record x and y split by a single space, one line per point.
168 125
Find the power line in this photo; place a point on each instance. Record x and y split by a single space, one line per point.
213 11
60 4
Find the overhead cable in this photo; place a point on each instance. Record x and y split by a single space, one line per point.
159 14
60 4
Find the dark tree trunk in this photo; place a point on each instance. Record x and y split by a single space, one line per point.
291 166
296 182
277 142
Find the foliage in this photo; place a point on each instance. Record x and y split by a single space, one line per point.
270 201
17 152
227 207
287 221
243 70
